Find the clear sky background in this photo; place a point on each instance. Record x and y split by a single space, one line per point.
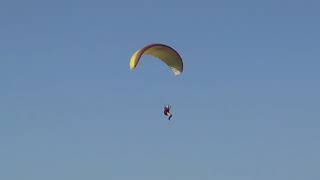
245 108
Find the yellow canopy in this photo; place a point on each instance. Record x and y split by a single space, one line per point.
163 52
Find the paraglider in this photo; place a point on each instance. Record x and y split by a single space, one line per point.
166 54
163 52
166 111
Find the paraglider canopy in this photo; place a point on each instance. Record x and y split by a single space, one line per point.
161 51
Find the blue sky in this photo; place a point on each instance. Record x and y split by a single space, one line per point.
246 106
